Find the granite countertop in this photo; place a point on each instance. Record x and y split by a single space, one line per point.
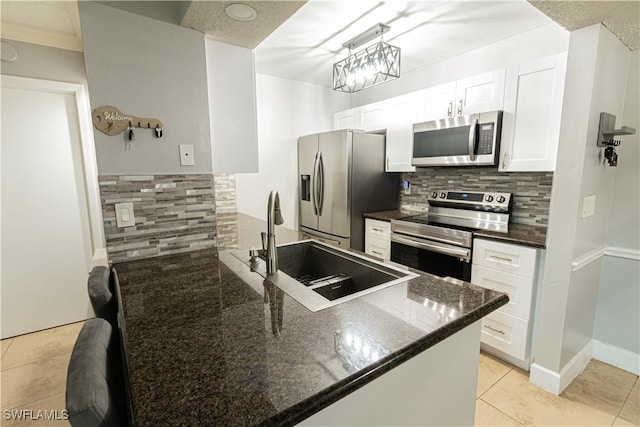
205 344
519 234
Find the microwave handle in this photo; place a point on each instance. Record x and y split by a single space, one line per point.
472 139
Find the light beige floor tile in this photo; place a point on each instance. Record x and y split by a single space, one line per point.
532 406
34 381
5 345
631 409
619 422
490 370
487 415
53 406
41 345
601 386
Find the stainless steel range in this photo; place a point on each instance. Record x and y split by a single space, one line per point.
441 241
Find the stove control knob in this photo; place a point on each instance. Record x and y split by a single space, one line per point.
500 199
434 195
443 195
489 198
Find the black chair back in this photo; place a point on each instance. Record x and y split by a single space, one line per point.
94 395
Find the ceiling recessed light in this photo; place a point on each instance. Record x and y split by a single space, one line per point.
241 12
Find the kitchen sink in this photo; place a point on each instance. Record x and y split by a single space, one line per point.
318 275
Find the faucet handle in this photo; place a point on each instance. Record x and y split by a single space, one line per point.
264 240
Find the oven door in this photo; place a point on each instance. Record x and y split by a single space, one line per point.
431 256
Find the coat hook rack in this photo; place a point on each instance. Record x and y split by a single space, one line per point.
109 120
606 134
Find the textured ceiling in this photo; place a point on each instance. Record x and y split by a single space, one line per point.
210 18
622 18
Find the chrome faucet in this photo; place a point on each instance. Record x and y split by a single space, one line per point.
274 217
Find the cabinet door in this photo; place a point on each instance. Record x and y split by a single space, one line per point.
399 144
375 117
532 112
477 94
439 102
348 119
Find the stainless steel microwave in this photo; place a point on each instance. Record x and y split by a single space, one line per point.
471 140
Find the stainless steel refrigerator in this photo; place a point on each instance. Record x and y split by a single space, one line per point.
341 177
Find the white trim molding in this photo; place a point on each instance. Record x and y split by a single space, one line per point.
556 382
597 253
40 36
616 356
618 252
588 258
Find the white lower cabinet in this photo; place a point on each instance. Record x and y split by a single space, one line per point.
377 238
511 269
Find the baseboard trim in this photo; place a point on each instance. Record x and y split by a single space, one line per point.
617 356
556 382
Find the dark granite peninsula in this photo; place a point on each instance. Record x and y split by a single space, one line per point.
209 342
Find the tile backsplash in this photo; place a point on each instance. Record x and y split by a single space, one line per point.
173 214
226 211
531 190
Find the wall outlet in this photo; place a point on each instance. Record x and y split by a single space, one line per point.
406 187
186 155
588 206
125 216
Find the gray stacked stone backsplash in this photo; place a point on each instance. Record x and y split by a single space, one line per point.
226 210
531 190
173 214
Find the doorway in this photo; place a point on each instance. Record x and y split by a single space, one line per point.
50 217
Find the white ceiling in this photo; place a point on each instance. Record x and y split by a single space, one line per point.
305 46
306 42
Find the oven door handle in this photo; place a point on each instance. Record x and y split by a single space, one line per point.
461 253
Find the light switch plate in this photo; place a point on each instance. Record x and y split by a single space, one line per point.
125 216
186 155
588 206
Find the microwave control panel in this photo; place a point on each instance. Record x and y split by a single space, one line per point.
485 138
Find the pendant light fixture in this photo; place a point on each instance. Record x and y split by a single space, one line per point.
376 64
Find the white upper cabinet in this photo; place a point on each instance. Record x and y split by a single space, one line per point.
477 94
532 112
375 117
348 119
403 112
484 92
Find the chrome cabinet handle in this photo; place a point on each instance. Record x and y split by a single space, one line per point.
450 109
464 253
378 230
504 161
377 253
472 139
460 107
388 163
500 331
500 258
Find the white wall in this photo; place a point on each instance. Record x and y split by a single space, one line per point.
596 80
287 109
231 80
150 69
617 326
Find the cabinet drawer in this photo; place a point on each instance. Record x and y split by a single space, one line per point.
377 229
378 247
519 289
513 259
505 333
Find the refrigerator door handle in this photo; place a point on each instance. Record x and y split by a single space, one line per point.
314 185
320 183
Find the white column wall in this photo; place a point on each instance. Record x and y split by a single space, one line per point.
596 81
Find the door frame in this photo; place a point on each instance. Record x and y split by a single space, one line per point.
90 169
